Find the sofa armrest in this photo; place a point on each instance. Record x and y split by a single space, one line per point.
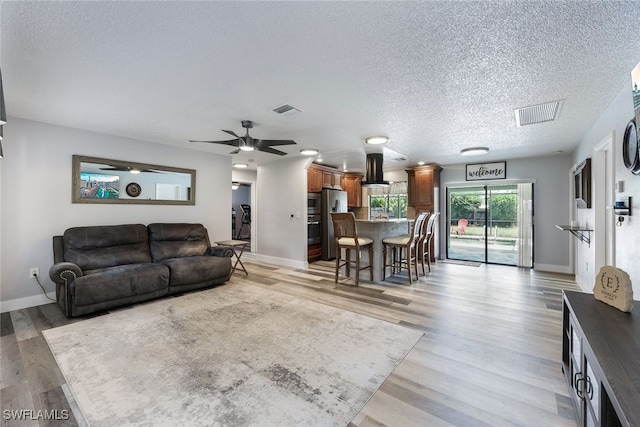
221 251
64 272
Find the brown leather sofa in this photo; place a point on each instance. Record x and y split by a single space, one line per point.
102 267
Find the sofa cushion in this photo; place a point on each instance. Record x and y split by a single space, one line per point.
168 241
186 271
106 246
112 283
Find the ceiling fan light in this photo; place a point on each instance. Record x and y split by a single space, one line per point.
245 145
240 165
308 151
474 151
377 140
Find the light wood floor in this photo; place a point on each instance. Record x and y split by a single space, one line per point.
490 354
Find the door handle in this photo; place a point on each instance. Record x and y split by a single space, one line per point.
577 381
589 388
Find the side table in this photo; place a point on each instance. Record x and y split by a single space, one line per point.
238 247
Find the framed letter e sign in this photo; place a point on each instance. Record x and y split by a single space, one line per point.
483 171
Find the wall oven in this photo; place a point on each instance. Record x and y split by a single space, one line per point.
314 229
314 203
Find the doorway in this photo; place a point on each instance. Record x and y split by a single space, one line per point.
241 212
491 223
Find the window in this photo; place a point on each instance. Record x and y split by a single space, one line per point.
392 205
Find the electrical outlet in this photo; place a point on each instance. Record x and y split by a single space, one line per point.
34 272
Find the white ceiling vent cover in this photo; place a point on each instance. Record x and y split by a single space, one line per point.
286 110
538 113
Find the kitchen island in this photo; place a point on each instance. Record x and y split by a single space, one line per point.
376 231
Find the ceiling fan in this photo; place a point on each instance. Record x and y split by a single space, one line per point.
247 143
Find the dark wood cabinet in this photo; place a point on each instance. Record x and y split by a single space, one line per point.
423 190
327 179
352 184
314 252
314 180
600 347
423 182
319 177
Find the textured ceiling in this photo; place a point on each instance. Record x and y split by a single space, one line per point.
435 77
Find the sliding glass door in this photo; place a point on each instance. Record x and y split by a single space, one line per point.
491 224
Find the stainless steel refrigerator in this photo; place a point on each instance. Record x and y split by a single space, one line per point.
332 201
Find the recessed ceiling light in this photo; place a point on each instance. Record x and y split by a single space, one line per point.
309 151
240 165
420 163
377 140
474 151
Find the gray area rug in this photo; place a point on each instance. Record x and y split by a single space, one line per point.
236 355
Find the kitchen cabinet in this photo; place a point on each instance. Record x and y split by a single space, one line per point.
319 177
314 252
423 183
423 193
599 360
314 180
352 184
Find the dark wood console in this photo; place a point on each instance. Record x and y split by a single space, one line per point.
601 360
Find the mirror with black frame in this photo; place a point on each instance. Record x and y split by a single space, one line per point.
96 180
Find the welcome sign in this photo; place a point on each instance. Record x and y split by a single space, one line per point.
484 171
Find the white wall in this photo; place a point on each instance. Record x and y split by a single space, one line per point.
281 212
36 197
551 205
614 118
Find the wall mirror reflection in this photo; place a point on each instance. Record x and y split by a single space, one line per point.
96 180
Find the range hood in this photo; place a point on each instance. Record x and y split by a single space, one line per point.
374 178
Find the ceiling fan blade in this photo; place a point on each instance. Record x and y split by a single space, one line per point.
270 142
232 142
235 151
267 149
230 132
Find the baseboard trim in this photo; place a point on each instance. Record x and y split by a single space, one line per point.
585 287
26 302
552 268
280 262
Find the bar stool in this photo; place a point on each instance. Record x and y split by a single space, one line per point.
410 244
425 241
344 229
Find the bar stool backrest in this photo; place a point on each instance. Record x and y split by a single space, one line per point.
344 225
430 225
418 226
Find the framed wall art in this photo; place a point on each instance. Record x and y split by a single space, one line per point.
486 171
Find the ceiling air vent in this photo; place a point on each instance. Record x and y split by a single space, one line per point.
287 110
538 113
